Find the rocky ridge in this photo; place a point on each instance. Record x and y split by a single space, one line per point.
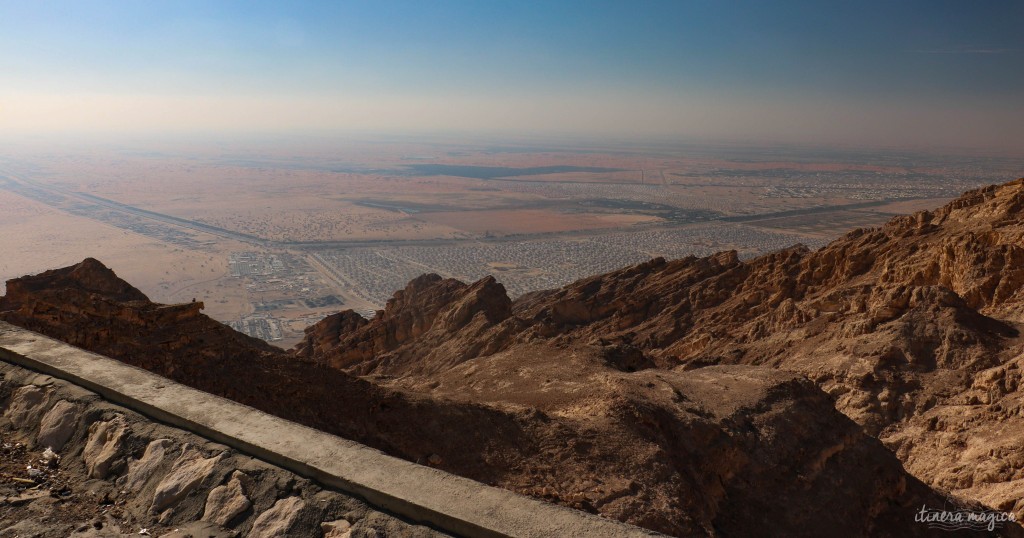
658 448
912 328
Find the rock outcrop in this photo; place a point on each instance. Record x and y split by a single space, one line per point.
227 502
434 323
57 425
912 328
187 474
104 446
704 452
279 519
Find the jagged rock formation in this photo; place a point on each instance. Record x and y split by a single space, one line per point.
454 320
912 328
711 451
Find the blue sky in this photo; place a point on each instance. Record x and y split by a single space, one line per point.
888 73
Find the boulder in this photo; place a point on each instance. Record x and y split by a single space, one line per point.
141 470
227 501
58 425
190 470
278 520
26 405
103 446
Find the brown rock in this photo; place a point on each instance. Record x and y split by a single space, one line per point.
336 529
189 471
58 425
103 446
26 405
141 470
431 320
277 521
228 501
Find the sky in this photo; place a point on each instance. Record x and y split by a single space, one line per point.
868 73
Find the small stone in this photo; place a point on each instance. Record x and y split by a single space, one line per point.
36 474
434 460
336 529
284 485
50 458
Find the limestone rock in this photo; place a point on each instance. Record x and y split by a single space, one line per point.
58 425
227 501
141 470
277 521
337 529
189 471
26 405
103 446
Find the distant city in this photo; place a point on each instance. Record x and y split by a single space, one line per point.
289 241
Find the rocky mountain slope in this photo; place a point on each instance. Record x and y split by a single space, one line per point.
695 396
657 448
912 328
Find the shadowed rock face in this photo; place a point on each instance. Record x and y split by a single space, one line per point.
708 451
90 276
453 320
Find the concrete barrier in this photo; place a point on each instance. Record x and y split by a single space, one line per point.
446 501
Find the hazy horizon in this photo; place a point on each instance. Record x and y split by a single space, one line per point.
912 75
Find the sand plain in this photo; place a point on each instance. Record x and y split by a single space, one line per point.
569 205
37 237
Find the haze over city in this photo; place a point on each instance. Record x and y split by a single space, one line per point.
902 74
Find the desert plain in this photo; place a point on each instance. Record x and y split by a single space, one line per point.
274 236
